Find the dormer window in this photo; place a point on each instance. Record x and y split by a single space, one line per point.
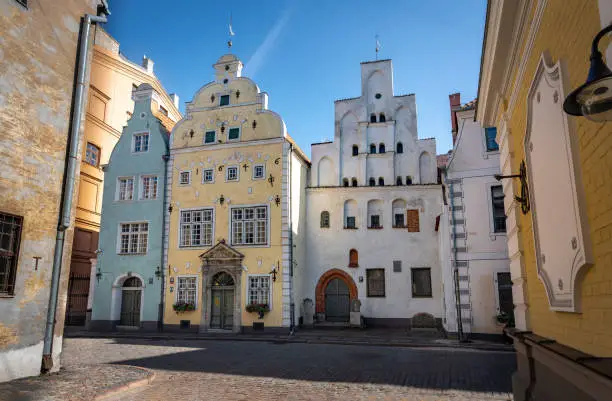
372 148
224 100
373 118
381 118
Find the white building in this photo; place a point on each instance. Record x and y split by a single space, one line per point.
476 233
371 210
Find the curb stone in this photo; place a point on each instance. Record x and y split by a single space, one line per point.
128 386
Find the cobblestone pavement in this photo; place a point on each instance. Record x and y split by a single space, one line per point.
241 370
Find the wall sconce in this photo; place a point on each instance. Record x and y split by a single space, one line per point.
254 125
212 98
98 275
522 175
245 166
158 272
221 199
273 272
593 99
222 127
277 200
170 209
237 93
271 180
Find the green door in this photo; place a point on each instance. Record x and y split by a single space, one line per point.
222 298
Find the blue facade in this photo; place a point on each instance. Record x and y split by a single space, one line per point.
127 288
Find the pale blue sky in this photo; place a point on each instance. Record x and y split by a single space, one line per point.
306 53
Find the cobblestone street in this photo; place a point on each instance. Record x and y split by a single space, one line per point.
228 370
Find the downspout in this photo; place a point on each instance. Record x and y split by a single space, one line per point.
160 324
455 267
69 179
289 212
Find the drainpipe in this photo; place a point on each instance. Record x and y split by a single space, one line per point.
160 324
289 211
69 179
455 267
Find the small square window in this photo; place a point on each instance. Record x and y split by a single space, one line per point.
92 155
232 173
185 178
375 221
207 175
224 100
209 137
350 222
141 142
234 134
421 282
259 172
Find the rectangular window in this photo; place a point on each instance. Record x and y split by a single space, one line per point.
224 100
149 187
209 137
259 171
399 220
186 290
397 266
208 176
10 236
250 225
163 110
490 134
185 178
375 282
92 154
350 222
232 173
504 293
126 189
196 227
413 221
499 214
421 282
141 142
234 134
259 290
375 221
133 238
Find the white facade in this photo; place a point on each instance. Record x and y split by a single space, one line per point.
375 142
477 245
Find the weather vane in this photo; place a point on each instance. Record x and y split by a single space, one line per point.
231 33
377 46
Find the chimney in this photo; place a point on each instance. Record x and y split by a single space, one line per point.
147 63
455 101
175 99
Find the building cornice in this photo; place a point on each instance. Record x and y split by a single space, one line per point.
373 190
226 145
101 124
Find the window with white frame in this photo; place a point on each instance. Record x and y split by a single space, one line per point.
133 238
148 183
141 142
187 290
185 178
92 154
196 227
125 188
234 134
259 171
250 225
499 214
232 173
259 290
208 175
209 137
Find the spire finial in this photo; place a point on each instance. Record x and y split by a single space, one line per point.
231 33
377 46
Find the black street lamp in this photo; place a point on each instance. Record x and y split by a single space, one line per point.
593 99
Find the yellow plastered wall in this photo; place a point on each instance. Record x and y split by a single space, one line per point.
591 330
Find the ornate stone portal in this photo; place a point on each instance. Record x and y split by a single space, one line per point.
221 258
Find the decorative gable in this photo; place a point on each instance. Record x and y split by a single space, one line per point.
222 254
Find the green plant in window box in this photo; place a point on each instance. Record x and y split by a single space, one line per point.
261 309
183 307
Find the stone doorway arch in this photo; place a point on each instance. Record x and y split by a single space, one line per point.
324 281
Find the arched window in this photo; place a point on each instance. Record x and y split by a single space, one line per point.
372 148
355 150
381 118
381 181
353 258
354 182
372 181
381 148
345 182
373 118
408 180
325 219
400 148
132 282
222 279
399 181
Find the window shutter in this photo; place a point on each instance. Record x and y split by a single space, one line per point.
413 220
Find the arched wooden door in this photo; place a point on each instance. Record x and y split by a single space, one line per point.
131 295
337 301
222 298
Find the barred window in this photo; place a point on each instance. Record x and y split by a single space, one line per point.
250 225
375 282
259 290
325 219
196 227
187 290
149 187
92 154
141 142
126 189
10 235
133 238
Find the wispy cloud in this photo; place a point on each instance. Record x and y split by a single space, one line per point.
258 58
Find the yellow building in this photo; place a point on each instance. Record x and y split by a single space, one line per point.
109 106
559 223
235 183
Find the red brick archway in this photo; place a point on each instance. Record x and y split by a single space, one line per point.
325 279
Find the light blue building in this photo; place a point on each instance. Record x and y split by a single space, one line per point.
129 276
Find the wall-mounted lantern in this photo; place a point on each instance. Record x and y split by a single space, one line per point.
170 208
254 125
158 272
274 271
221 199
271 180
277 200
522 176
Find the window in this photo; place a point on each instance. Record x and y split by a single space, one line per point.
397 266
209 137
354 182
381 181
399 148
325 219
163 110
372 118
126 189
399 211
350 222
345 182
413 221
499 215
353 258
375 282
381 148
421 282
133 238
186 290
355 150
185 178
398 181
382 118
408 180
148 184
490 134
504 293
232 173
224 100
196 227
141 142
10 236
234 134
259 172
375 221
92 154
259 290
372 182
398 220
350 213
372 148
208 175
250 225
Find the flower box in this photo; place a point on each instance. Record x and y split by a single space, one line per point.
183 307
261 309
